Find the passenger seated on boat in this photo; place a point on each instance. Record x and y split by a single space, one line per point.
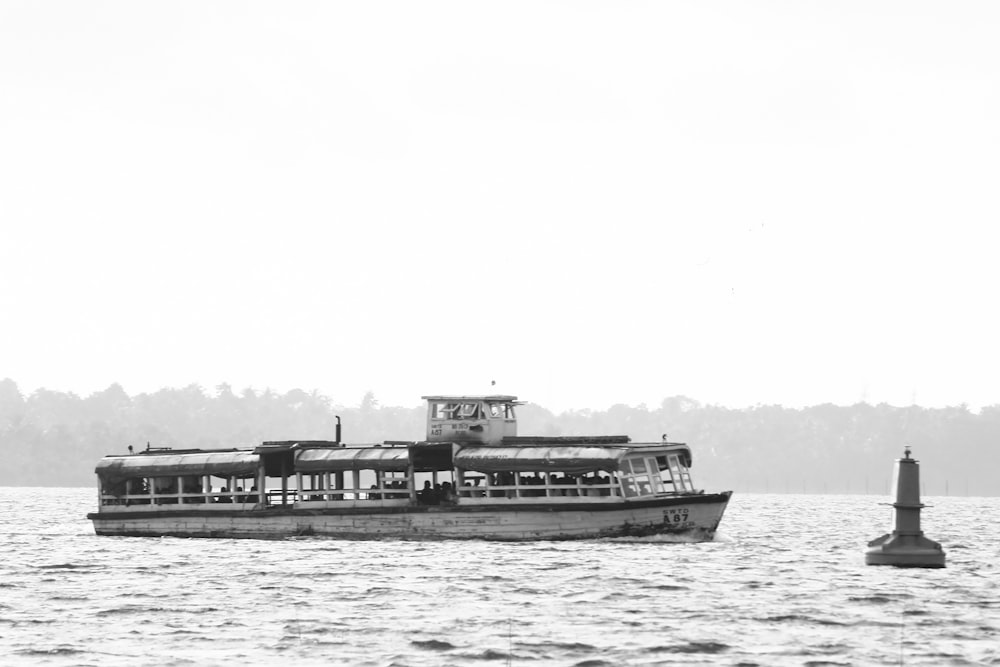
504 479
524 480
253 497
240 498
606 483
569 481
138 488
372 495
599 482
225 497
556 481
428 496
192 487
538 480
168 488
447 496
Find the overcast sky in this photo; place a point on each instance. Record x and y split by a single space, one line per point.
587 202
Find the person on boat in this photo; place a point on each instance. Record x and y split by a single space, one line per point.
192 487
224 496
426 495
447 497
606 483
166 487
538 480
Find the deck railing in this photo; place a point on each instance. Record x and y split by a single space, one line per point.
610 489
249 498
476 489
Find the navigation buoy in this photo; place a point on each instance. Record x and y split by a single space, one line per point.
906 546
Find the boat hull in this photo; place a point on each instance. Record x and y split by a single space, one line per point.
689 517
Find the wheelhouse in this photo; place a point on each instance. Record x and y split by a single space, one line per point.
483 419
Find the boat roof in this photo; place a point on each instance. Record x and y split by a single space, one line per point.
566 440
235 463
349 458
573 455
572 458
496 398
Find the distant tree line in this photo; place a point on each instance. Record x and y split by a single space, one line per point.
52 438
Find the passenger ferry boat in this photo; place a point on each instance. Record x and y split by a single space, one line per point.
473 477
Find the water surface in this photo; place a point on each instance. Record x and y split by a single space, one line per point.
784 584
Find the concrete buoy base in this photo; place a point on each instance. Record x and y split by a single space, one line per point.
906 546
904 551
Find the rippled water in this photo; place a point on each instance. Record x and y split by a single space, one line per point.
784 584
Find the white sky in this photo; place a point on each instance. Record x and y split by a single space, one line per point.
588 202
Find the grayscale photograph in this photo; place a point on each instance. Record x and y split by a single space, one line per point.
473 334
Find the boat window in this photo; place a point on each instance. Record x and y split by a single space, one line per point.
457 411
654 475
353 485
504 410
664 473
679 474
444 410
469 411
637 480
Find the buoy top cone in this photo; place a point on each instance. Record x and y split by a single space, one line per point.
906 546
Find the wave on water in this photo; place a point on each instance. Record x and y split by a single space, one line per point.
433 644
49 652
691 647
653 539
800 618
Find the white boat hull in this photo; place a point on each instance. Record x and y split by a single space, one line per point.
691 517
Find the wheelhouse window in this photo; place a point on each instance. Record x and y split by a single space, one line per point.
468 410
442 410
504 410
